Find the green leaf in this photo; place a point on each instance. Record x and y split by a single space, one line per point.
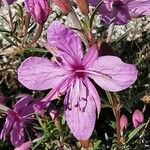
96 144
9 40
40 50
134 132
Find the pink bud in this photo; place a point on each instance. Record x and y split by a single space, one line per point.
64 5
123 122
137 118
53 113
39 9
25 146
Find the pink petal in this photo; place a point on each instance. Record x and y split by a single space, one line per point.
17 134
67 41
39 73
90 56
7 127
22 103
139 7
80 110
110 73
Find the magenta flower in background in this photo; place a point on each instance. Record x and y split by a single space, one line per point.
122 10
123 122
17 119
137 118
70 71
39 9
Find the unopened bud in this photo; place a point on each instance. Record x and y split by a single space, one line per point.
64 5
137 118
84 6
39 9
123 122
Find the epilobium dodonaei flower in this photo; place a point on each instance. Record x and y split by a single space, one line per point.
137 118
70 72
122 10
39 9
17 119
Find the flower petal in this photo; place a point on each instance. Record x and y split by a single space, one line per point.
80 110
139 7
22 103
7 126
17 134
121 13
67 41
110 73
39 73
90 56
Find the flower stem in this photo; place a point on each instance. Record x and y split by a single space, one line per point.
116 109
38 34
26 23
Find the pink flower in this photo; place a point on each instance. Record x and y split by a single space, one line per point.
70 72
122 10
17 119
123 122
39 9
137 118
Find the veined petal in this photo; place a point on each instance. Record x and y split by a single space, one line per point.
80 110
67 41
17 134
39 73
110 73
7 126
139 7
22 103
90 56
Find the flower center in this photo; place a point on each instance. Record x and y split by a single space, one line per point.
79 71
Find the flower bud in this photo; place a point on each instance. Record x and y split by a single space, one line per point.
24 146
123 122
84 6
137 118
39 9
64 5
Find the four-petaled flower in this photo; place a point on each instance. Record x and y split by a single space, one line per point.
121 11
70 72
17 119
